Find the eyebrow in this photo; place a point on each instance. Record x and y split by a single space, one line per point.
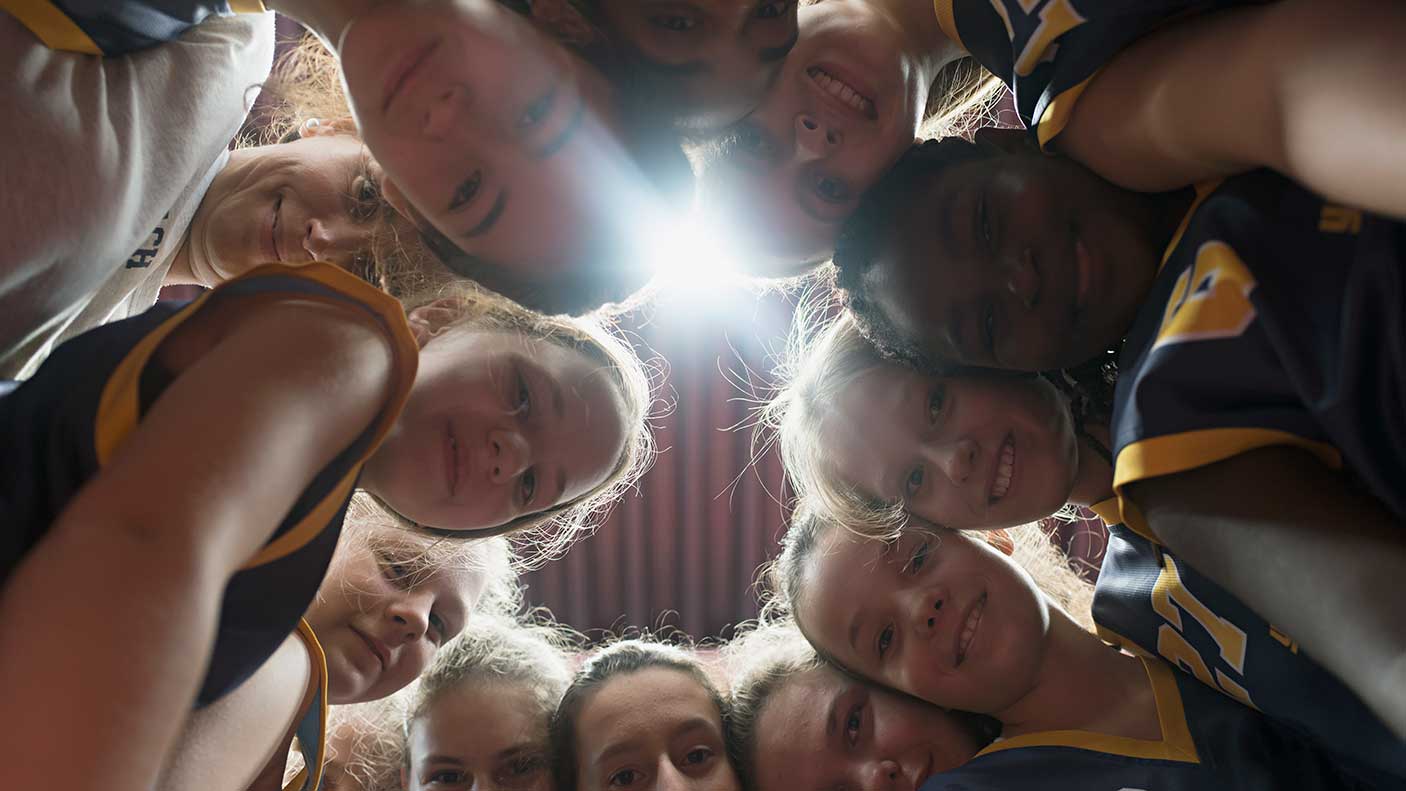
489 220
559 142
854 632
525 748
772 54
440 759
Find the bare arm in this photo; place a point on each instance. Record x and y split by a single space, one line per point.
1319 560
225 745
1311 88
113 613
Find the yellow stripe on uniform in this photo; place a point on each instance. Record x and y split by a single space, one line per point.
51 26
1176 743
247 6
947 20
310 776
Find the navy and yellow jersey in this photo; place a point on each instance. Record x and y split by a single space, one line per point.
1046 51
117 28
311 730
1276 319
1150 602
62 425
1208 742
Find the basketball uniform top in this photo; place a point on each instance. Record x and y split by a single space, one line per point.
61 426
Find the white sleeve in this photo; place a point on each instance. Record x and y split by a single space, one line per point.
94 151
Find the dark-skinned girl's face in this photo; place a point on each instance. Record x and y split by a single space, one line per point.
1016 260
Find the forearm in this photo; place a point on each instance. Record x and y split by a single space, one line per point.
1306 87
103 638
1319 560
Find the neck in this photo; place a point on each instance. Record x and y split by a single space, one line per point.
180 273
1162 213
1079 681
927 47
1093 481
326 18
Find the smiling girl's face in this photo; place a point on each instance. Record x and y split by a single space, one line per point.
968 451
938 614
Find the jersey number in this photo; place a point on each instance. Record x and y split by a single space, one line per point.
1056 17
1210 300
1170 599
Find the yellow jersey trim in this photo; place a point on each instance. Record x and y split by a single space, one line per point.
405 352
1057 113
1203 191
947 20
119 406
51 26
1188 450
310 776
1119 641
1176 743
247 6
1107 510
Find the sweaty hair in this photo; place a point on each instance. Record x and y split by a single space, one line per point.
614 661
547 534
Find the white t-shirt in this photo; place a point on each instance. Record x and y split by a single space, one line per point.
95 153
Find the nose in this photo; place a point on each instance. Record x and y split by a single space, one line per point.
927 605
815 139
334 242
509 454
444 113
883 775
1023 282
956 459
409 615
668 777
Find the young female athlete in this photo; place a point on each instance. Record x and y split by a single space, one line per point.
1151 95
872 439
946 617
1036 263
797 721
480 717
641 715
710 60
391 600
142 479
512 155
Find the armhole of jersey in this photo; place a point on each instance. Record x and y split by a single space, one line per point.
1173 453
405 353
947 20
1175 745
1057 113
1203 191
51 26
312 744
1107 510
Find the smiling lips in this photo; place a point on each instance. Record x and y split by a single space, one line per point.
969 627
843 92
1005 471
378 648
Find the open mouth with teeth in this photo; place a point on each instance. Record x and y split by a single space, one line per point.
1005 471
843 92
969 627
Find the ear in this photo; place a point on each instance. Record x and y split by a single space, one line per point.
1010 141
315 127
429 320
1001 540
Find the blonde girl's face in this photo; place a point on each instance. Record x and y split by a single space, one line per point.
967 452
380 620
498 427
823 729
938 614
655 728
483 736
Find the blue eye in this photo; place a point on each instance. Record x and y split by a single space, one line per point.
885 640
466 191
536 112
915 481
918 559
853 722
527 485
